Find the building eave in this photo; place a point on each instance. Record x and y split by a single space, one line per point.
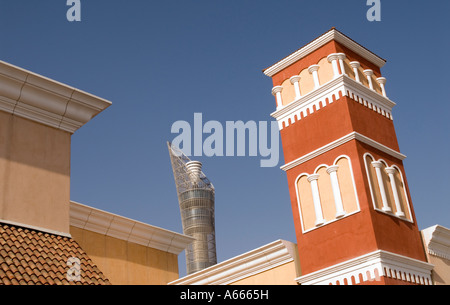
46 101
109 224
332 34
239 267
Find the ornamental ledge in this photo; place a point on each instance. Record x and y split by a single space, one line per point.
329 93
43 100
371 267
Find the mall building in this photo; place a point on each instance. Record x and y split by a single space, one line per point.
352 209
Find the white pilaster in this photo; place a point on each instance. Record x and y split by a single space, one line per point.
378 165
295 80
333 59
316 198
391 171
369 74
332 171
382 82
313 70
276 91
341 58
355 65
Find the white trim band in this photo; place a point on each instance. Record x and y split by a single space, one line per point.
351 136
317 99
267 257
372 266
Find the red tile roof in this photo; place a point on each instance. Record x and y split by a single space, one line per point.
30 257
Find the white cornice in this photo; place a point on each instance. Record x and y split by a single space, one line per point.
437 241
351 136
253 262
40 99
332 90
333 34
370 267
105 223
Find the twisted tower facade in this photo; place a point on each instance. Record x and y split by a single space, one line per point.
196 199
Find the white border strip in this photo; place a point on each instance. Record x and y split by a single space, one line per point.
351 136
371 266
267 257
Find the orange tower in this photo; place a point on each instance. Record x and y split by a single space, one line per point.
352 209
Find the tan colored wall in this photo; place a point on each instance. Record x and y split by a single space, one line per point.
34 174
126 263
441 270
281 275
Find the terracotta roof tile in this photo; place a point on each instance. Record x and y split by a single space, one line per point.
30 257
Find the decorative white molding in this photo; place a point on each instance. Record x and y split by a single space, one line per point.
40 99
105 223
339 142
332 34
372 266
327 94
437 241
256 261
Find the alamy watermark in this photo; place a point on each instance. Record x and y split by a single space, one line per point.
236 138
374 12
74 272
74 12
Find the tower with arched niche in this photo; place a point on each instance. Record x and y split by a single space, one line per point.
352 209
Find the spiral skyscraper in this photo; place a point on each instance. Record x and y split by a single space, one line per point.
196 199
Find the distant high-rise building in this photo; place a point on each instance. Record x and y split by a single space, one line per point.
196 199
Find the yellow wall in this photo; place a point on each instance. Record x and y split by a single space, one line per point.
126 263
281 275
34 174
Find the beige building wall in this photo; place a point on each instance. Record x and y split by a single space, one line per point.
281 275
34 174
127 263
441 270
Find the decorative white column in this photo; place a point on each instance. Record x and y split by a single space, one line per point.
332 171
382 82
378 165
391 172
333 59
341 57
295 80
316 198
369 74
276 91
355 65
313 70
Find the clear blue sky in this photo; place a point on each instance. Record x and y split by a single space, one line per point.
161 61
